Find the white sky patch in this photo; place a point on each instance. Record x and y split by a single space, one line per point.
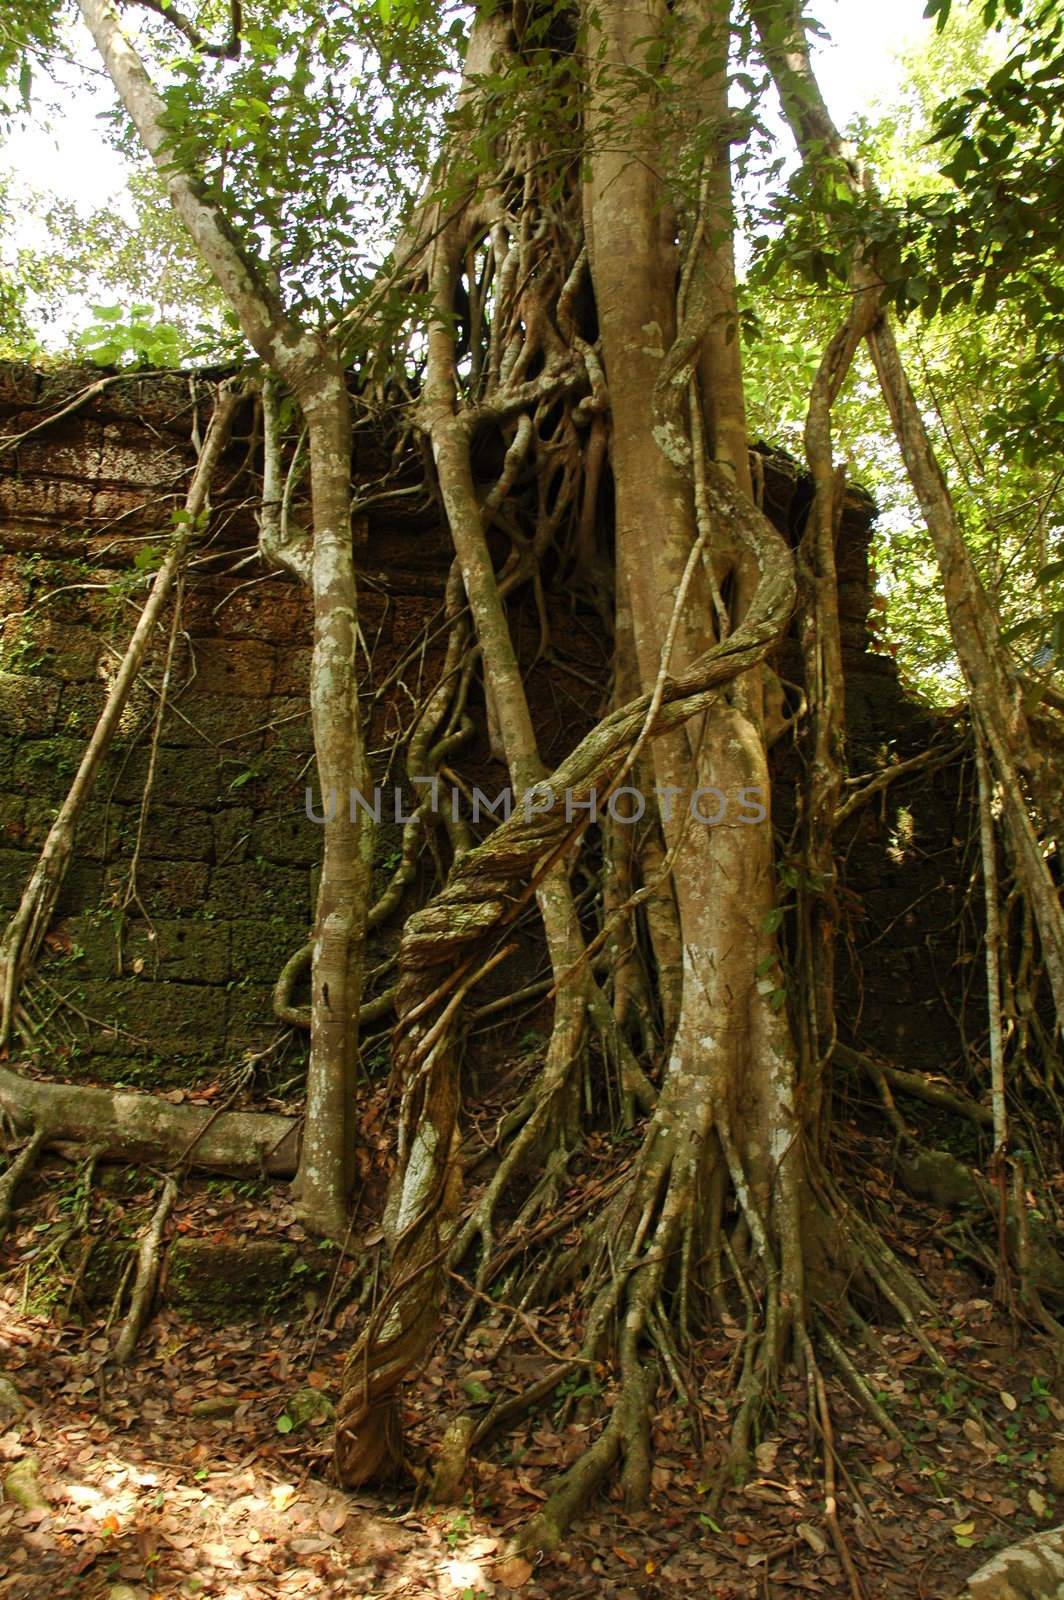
860 64
63 151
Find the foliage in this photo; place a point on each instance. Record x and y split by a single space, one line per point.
16 338
136 257
314 140
27 33
967 240
112 341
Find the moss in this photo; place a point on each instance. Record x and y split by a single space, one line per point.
104 1271
244 1281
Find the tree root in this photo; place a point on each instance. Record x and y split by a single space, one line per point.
21 1165
858 1387
145 1128
147 1278
819 1406
546 1530
916 1085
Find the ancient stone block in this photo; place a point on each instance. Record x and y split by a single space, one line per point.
89 945
288 837
244 1280
45 499
231 830
163 886
137 457
45 767
276 611
290 724
249 1017
190 776
82 703
232 721
71 653
98 833
15 866
82 888
170 833
260 891
181 949
12 819
179 1019
28 703
293 672
259 949
227 666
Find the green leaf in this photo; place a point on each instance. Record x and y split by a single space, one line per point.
284 1423
939 10
1023 630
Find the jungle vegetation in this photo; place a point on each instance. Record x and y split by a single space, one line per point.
621 241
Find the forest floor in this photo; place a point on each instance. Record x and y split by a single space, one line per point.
184 1475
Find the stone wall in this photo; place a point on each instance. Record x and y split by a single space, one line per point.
180 979
166 979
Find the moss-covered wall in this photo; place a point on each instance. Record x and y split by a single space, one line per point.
180 980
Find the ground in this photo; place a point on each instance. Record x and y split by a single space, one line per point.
191 1474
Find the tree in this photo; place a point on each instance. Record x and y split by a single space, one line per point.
563 290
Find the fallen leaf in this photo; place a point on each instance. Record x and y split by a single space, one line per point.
514 1573
813 1538
332 1517
1037 1503
1008 1400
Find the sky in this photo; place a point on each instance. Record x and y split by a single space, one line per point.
72 160
855 69
859 66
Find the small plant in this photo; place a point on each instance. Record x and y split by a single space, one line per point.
456 1530
129 339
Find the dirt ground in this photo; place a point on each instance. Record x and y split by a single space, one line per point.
194 1474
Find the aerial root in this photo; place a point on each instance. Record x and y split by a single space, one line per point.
147 1274
820 1412
542 1107
858 1387
20 1167
452 1461
546 1530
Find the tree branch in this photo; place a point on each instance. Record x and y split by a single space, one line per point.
229 51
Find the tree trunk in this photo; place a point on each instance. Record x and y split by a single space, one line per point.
311 367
